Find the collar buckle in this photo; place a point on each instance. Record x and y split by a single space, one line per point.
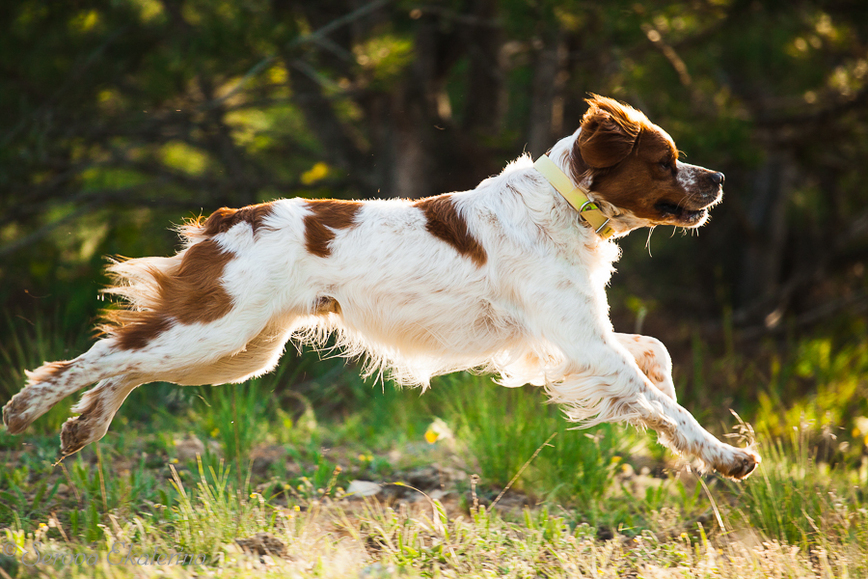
575 195
605 225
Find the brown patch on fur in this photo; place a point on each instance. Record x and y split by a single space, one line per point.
326 216
446 224
134 329
189 295
639 182
225 218
578 168
326 305
656 374
194 293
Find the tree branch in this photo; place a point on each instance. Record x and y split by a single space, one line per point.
312 37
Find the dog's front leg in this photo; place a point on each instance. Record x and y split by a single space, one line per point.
679 430
602 382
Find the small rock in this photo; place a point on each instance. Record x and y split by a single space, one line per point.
377 571
424 477
363 488
263 544
188 448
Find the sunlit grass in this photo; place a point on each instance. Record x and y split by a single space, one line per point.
795 499
536 498
244 536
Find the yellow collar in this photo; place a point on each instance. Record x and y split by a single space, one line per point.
576 195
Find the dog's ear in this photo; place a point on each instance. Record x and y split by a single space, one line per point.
605 139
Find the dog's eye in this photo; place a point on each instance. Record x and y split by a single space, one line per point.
666 165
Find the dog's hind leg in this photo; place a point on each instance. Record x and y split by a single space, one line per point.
258 356
96 409
184 354
195 318
51 383
99 405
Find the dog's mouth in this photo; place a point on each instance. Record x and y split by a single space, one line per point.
679 214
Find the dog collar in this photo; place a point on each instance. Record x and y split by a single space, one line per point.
576 195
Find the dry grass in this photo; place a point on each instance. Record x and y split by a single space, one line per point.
420 539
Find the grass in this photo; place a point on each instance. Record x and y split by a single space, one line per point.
253 479
803 502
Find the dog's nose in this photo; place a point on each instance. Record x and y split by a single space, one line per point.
718 178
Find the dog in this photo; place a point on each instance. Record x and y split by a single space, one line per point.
507 278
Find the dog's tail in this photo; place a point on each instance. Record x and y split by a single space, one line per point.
138 283
157 292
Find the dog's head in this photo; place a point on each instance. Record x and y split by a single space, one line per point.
632 165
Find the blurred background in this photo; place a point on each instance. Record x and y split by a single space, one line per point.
119 118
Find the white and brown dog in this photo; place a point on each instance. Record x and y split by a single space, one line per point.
508 278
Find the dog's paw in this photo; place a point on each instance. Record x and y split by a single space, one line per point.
739 464
77 432
16 417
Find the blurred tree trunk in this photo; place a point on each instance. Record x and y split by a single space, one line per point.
764 253
546 109
410 173
414 112
484 100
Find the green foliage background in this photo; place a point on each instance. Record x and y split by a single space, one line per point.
119 118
